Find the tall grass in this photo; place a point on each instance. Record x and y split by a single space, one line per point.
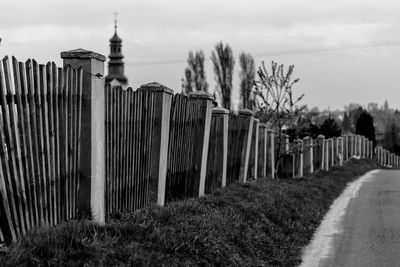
264 223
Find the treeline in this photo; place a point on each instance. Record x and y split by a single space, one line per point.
379 123
223 65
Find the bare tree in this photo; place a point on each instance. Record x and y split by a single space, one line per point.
195 76
278 106
247 75
224 63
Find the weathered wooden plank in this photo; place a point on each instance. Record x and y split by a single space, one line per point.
79 124
57 73
129 148
65 134
74 141
107 129
123 150
114 148
63 141
51 136
46 142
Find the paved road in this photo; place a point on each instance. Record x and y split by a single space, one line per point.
369 230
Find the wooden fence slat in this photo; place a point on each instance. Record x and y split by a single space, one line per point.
70 143
51 134
57 72
46 139
114 153
107 128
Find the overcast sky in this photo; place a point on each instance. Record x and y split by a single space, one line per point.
343 51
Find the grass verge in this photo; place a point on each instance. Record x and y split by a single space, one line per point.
264 223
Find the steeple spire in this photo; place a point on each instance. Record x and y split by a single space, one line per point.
115 64
115 22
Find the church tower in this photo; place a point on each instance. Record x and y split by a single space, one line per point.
115 64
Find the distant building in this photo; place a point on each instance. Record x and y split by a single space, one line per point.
115 64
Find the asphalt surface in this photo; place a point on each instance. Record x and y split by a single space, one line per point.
370 228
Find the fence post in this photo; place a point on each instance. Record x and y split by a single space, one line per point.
91 195
265 133
327 150
159 147
218 111
321 151
311 154
339 141
256 127
244 166
300 147
206 105
272 152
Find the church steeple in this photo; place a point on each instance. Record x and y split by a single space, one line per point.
115 64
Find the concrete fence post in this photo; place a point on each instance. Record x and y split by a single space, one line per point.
326 163
272 152
321 151
224 113
206 105
91 194
256 128
300 147
340 150
160 142
264 133
248 115
311 154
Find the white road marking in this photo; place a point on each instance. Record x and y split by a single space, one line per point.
322 242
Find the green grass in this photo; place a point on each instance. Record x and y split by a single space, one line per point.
264 223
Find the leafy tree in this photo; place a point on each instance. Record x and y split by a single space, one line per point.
247 75
223 62
277 104
330 128
195 73
365 126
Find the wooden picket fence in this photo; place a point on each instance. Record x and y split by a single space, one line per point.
129 131
236 145
185 147
159 147
39 145
214 176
